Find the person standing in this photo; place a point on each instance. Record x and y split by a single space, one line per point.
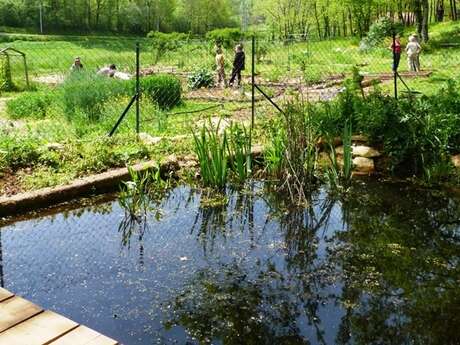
418 55
220 67
238 65
413 50
396 49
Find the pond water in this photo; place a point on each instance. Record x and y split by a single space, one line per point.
381 267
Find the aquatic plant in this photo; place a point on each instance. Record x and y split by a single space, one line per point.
338 174
134 196
137 197
301 152
274 152
211 149
239 148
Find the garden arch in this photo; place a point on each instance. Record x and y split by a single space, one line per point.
5 67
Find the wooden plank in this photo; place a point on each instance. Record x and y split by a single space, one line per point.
15 310
84 336
39 330
5 294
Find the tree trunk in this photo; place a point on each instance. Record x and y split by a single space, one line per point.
440 10
425 20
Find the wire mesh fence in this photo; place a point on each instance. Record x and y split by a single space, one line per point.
319 68
204 70
80 100
106 71
96 80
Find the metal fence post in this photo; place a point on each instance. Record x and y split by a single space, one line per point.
395 68
253 81
138 94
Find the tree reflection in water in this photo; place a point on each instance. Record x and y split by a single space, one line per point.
400 262
392 269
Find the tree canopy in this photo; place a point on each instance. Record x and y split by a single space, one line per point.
282 18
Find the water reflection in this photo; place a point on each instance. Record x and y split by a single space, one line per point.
379 267
390 266
400 265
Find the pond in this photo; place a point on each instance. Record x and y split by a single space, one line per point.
379 267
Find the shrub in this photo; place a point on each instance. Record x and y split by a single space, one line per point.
201 78
417 135
18 152
164 90
164 42
29 104
379 30
89 93
225 37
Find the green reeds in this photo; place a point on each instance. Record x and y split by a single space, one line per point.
274 155
219 151
134 194
211 149
301 150
338 174
239 150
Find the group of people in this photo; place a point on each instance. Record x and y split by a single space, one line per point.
413 50
239 62
108 71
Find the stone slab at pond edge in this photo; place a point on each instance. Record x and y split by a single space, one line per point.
360 151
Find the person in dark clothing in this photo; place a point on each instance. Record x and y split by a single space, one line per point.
396 48
238 65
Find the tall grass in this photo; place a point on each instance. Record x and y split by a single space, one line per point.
239 148
88 93
338 174
292 153
301 151
274 158
212 151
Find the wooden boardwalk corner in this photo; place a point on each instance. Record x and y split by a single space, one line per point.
24 323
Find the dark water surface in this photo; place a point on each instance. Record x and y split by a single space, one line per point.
381 267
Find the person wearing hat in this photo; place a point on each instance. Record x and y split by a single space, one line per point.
413 50
77 65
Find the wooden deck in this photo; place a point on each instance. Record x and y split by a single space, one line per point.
24 323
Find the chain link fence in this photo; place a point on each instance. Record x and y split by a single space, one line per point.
316 69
